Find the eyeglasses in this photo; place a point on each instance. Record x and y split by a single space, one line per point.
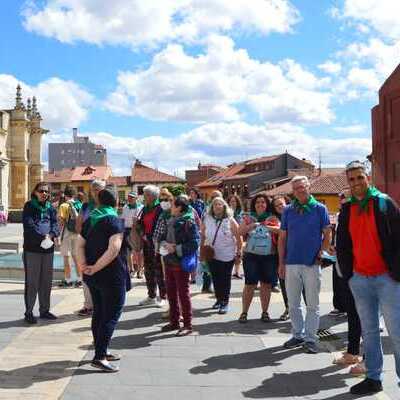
43 191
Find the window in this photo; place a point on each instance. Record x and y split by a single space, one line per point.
140 190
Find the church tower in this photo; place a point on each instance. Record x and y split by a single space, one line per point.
35 146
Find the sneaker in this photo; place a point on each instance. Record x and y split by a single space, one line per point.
30 319
358 369
63 284
347 359
104 366
48 315
223 309
367 386
148 301
85 312
170 327
293 343
184 331
310 347
216 306
161 303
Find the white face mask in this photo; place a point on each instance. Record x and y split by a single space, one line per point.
165 205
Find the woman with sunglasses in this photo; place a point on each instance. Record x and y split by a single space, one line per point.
40 229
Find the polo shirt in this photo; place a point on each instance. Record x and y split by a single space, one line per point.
367 247
97 241
304 233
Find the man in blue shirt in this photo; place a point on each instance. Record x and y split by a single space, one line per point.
305 233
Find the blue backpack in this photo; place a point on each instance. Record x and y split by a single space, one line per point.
259 241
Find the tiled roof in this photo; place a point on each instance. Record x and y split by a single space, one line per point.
78 174
240 176
328 184
90 173
217 179
143 174
262 159
119 180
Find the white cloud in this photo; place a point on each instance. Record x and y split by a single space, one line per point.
136 22
330 67
213 86
382 15
351 129
62 104
224 143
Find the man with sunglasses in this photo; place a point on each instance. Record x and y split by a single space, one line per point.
368 251
40 229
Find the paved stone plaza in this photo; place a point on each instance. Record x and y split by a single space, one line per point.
223 360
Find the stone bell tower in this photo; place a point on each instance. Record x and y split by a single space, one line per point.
24 151
35 145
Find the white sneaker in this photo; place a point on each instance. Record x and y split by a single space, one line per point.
161 303
148 301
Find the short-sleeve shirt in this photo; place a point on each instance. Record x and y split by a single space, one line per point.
304 233
97 241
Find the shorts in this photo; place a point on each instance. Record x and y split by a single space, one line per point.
68 243
259 268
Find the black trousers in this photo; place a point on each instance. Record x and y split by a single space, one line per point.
221 273
108 301
339 291
353 320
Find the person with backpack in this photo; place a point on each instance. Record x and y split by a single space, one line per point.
68 213
259 256
221 244
368 251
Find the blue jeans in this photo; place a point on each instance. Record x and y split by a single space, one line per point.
108 302
372 295
307 277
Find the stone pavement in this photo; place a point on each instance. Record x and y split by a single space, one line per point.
223 360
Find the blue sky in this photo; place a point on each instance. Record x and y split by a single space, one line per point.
178 82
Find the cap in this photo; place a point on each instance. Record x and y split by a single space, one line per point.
132 194
355 165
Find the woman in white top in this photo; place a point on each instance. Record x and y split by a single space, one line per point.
220 230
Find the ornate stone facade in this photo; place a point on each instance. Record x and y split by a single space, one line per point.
20 153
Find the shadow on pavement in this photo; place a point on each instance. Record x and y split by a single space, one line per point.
22 378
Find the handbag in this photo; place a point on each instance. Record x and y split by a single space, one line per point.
207 251
189 263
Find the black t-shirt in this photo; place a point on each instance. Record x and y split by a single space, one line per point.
97 241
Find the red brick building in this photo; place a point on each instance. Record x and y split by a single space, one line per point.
203 172
386 137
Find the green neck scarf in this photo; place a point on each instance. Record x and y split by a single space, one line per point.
305 208
101 212
260 217
150 207
363 204
91 205
77 205
42 207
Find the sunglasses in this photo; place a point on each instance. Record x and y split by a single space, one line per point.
357 178
43 191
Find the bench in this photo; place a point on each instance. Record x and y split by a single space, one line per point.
10 246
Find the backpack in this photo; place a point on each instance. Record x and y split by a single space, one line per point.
71 223
259 241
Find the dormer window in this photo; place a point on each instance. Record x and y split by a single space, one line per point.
88 171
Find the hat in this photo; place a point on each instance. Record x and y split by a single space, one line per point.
132 194
355 165
108 196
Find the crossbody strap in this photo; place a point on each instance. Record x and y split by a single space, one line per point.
216 233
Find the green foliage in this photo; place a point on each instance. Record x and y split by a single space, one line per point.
176 190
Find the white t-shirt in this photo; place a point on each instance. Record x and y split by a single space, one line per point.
129 213
225 242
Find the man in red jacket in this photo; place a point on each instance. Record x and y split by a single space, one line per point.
368 250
